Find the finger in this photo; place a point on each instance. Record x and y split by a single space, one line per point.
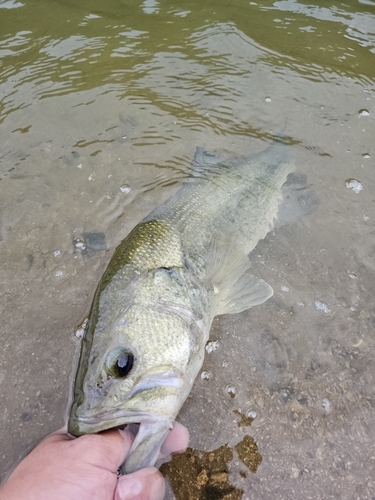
57 436
107 449
111 447
145 484
62 434
176 441
62 430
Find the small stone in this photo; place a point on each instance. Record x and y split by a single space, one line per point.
354 185
206 375
295 472
95 242
231 390
321 306
125 188
79 244
326 405
212 345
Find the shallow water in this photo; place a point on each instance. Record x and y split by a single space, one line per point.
102 108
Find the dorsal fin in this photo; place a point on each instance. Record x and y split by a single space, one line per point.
206 164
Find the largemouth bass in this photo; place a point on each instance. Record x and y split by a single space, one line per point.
150 319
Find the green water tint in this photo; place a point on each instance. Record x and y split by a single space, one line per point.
63 47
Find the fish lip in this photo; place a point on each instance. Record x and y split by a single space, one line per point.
79 425
126 416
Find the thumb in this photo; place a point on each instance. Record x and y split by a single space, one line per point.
107 449
144 484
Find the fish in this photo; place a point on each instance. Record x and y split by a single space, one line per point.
181 266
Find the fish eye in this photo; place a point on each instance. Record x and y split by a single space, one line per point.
123 364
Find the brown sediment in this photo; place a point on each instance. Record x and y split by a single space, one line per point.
196 475
245 421
248 453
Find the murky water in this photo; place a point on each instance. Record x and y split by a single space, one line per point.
102 106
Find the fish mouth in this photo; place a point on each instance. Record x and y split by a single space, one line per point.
148 440
126 416
152 431
89 422
78 426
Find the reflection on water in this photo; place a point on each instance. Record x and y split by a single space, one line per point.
102 107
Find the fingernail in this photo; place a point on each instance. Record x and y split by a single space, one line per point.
157 491
128 489
149 484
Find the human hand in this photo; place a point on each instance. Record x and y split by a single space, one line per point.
84 468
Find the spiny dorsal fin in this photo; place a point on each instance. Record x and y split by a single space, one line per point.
207 163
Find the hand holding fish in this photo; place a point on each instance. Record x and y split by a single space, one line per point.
64 469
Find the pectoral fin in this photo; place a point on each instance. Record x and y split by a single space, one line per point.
246 292
236 289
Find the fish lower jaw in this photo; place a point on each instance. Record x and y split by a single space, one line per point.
78 426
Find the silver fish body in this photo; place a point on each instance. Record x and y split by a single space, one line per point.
151 315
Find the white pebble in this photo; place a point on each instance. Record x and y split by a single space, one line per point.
321 306
355 185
